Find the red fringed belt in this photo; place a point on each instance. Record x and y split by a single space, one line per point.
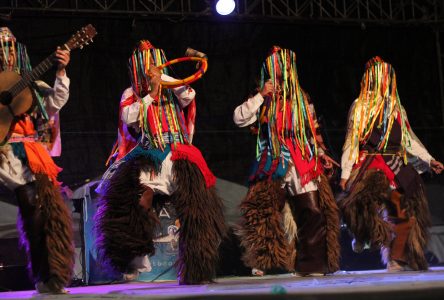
307 169
40 162
191 153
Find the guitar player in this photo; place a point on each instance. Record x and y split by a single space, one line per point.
27 169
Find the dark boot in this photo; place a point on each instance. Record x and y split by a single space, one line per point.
312 245
33 230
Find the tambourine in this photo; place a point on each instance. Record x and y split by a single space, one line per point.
203 62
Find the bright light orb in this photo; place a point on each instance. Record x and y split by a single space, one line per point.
225 7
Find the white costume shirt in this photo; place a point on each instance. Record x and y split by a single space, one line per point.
163 182
130 113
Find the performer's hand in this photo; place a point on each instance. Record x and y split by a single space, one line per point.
154 74
328 162
343 183
62 58
268 88
436 166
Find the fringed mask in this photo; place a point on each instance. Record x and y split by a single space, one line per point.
288 112
378 105
144 56
13 55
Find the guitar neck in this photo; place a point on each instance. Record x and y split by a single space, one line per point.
35 74
78 40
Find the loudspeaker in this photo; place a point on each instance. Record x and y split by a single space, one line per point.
13 266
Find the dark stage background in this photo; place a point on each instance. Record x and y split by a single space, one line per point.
330 57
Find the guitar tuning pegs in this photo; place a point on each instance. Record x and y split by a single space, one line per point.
81 47
91 40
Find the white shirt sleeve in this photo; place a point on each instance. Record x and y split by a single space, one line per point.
347 160
57 96
416 147
245 114
185 94
130 114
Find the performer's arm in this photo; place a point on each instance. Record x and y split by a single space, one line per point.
130 113
416 147
57 96
419 150
245 114
185 94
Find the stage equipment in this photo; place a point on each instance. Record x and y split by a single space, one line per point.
225 7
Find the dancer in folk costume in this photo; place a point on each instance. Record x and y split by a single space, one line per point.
287 185
26 168
155 157
385 204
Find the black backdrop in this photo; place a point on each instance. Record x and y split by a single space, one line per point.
330 61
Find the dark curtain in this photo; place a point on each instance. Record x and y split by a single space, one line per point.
330 59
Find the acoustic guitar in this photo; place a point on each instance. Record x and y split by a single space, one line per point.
16 95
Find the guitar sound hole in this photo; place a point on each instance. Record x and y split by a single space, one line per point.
5 98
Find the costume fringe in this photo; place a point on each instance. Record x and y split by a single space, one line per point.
40 162
58 233
124 229
262 233
290 226
418 209
362 210
193 155
330 209
291 231
155 156
202 224
416 244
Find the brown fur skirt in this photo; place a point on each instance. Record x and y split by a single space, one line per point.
262 234
124 230
202 224
57 232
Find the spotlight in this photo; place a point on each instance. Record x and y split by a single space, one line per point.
225 7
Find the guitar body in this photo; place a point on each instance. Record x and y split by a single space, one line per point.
20 104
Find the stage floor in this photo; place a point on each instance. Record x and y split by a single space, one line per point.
342 285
